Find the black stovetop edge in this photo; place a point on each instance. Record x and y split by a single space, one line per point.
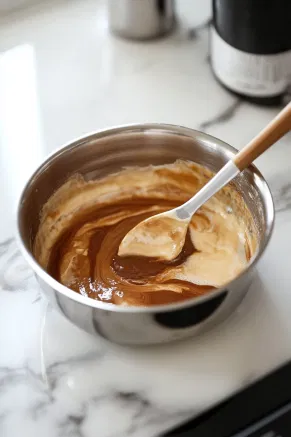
248 406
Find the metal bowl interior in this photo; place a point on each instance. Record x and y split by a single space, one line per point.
111 150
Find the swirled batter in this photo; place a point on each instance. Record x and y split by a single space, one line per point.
83 223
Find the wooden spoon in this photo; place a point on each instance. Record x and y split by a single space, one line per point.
163 235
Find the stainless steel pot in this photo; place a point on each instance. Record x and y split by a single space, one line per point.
108 151
140 19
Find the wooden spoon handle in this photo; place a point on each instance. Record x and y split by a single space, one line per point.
278 127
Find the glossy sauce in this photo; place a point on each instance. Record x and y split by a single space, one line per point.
78 240
101 274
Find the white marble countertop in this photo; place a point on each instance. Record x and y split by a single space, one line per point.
62 75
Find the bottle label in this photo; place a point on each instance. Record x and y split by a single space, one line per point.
248 73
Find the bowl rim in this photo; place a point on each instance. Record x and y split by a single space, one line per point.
142 127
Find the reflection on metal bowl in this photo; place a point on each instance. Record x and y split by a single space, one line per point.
106 152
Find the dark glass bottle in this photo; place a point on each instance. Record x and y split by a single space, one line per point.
250 47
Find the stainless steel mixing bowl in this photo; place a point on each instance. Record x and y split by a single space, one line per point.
106 152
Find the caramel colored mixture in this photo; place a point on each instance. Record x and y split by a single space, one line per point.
83 223
160 237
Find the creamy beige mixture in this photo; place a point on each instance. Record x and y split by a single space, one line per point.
161 236
83 224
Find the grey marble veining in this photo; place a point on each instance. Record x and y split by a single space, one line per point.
222 116
282 194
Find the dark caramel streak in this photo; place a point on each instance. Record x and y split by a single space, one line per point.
103 275
140 268
94 248
83 223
